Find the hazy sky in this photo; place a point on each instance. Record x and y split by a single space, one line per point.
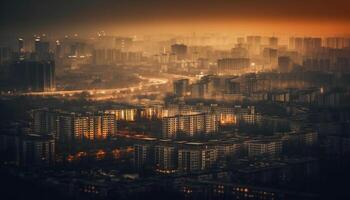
261 15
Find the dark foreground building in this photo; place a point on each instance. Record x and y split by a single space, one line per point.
34 76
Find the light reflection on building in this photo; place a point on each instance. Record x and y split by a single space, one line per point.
128 114
228 119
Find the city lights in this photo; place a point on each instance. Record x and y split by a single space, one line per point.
185 99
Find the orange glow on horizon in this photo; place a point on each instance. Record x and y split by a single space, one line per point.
239 27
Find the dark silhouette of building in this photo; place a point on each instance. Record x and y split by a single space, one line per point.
181 87
35 76
180 50
42 50
284 64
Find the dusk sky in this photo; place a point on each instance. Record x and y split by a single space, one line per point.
326 16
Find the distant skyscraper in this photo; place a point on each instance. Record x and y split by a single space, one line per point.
284 64
65 128
123 43
20 45
296 43
232 86
239 52
197 90
180 50
58 51
229 66
42 50
254 43
270 56
336 42
271 148
311 46
181 87
273 42
254 40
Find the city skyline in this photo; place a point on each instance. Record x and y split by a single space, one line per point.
160 99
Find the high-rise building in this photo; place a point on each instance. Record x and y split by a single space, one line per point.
311 46
254 43
37 150
124 114
239 52
191 124
226 115
165 157
297 44
21 45
180 50
270 148
113 56
94 126
42 50
196 157
308 46
144 154
34 76
59 124
105 56
109 126
58 51
105 41
249 84
5 55
65 128
197 90
229 66
170 127
284 64
81 127
313 64
181 87
152 112
270 56
228 149
273 42
45 122
336 42
232 86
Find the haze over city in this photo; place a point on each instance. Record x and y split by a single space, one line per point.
160 99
